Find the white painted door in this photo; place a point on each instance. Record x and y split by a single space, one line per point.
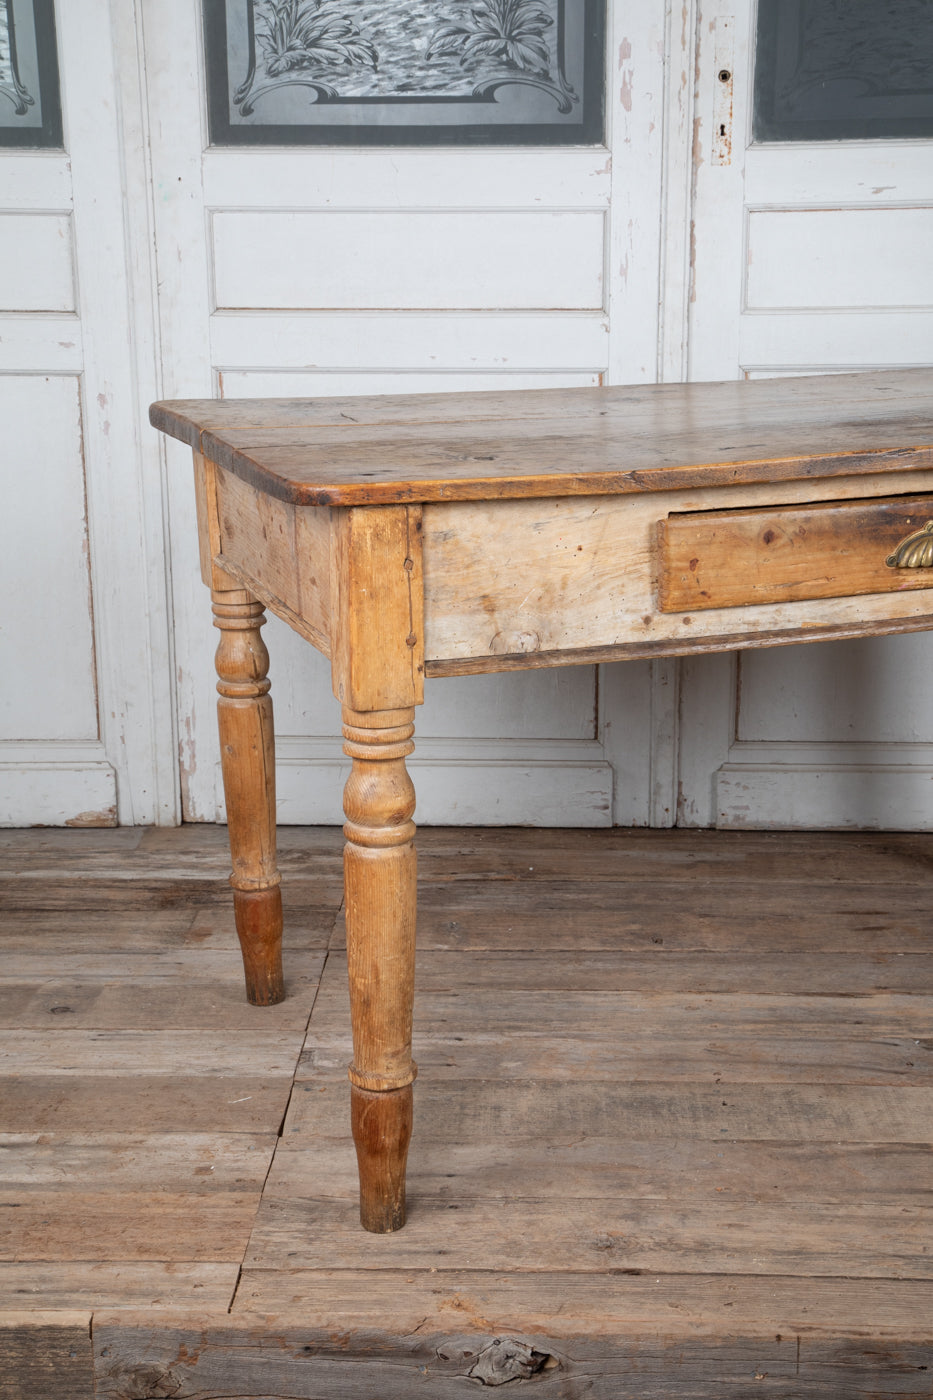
322 271
810 257
85 715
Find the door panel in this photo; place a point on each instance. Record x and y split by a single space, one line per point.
378 348
277 384
52 765
53 769
47 640
36 262
855 692
841 259
417 259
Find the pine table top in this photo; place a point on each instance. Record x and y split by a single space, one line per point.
563 442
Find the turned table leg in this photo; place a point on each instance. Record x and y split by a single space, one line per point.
247 751
379 878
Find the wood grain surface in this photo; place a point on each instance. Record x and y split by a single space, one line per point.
48 1356
359 451
674 1123
449 1344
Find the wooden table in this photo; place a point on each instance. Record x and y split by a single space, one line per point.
439 535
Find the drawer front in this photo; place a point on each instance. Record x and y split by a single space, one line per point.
783 554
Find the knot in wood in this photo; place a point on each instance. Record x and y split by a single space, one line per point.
149 1383
507 1359
514 643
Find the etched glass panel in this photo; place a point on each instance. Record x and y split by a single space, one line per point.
30 107
370 72
836 70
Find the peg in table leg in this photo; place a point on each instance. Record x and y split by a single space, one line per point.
247 751
380 884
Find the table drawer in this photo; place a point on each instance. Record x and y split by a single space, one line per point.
782 554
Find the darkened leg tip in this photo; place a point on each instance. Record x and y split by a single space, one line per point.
382 1217
265 992
259 926
381 1131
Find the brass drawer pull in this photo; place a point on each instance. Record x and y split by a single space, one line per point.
914 552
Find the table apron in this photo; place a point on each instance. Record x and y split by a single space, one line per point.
539 582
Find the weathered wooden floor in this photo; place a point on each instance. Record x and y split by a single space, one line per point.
673 1125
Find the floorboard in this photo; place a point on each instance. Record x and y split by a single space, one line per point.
674 1124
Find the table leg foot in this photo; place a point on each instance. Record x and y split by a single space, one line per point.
381 1133
259 928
